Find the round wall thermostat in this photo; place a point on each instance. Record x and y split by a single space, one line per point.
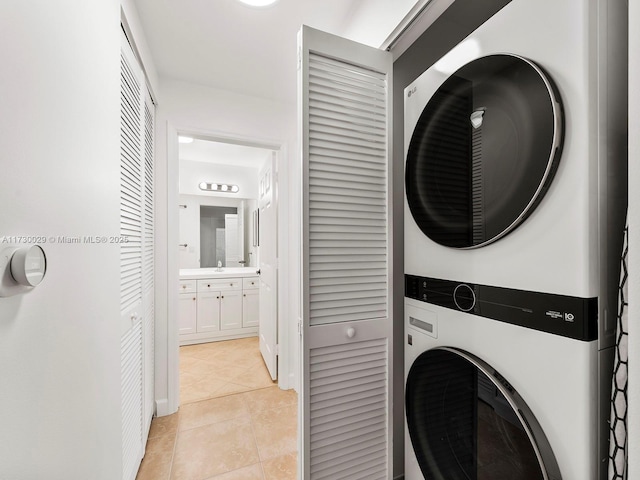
28 266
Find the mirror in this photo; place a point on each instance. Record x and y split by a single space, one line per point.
221 239
216 229
234 171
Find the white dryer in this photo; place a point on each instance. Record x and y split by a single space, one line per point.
514 211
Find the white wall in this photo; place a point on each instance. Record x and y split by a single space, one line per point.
217 114
59 138
193 173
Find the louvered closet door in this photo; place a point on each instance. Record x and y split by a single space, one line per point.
132 159
148 266
346 109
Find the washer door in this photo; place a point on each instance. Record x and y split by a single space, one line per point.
484 151
466 422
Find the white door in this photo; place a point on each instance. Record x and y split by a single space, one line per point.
242 257
132 219
268 254
345 108
231 242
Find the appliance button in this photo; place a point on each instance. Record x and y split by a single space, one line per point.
464 297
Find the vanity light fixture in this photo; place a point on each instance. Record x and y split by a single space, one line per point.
219 187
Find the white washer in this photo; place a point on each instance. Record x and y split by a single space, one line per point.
535 274
460 436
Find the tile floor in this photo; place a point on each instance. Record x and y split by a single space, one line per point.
234 423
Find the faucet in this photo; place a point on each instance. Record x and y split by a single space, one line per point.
219 269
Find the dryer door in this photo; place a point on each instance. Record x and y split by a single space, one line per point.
466 422
484 151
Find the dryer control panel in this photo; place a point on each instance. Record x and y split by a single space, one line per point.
572 317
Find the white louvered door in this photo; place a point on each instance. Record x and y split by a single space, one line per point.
136 260
148 270
346 109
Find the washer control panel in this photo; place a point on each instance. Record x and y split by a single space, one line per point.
572 317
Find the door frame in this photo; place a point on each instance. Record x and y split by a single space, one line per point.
286 374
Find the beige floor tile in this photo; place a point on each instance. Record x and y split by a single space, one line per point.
252 472
215 449
231 416
200 390
281 468
154 470
276 431
231 389
191 350
212 411
187 361
198 367
269 398
244 357
255 378
156 463
226 372
167 425
187 378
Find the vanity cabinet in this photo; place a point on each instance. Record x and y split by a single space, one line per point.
218 308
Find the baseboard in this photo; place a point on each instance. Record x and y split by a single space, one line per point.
162 408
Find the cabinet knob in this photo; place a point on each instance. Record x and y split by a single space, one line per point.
194 299
231 284
217 297
222 296
244 294
351 332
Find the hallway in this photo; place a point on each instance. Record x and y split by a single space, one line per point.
233 423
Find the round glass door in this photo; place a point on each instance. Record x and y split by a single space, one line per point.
483 151
467 423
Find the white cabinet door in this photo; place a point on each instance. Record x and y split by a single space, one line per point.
208 312
250 308
187 312
231 310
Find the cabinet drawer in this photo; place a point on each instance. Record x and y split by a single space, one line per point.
251 282
218 284
186 286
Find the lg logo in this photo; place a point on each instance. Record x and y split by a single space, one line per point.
568 317
411 92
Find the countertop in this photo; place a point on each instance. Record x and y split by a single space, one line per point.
232 272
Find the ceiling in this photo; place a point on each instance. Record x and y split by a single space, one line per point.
228 45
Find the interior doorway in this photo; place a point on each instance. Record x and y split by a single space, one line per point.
227 233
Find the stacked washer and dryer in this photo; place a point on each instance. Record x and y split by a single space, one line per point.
515 181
